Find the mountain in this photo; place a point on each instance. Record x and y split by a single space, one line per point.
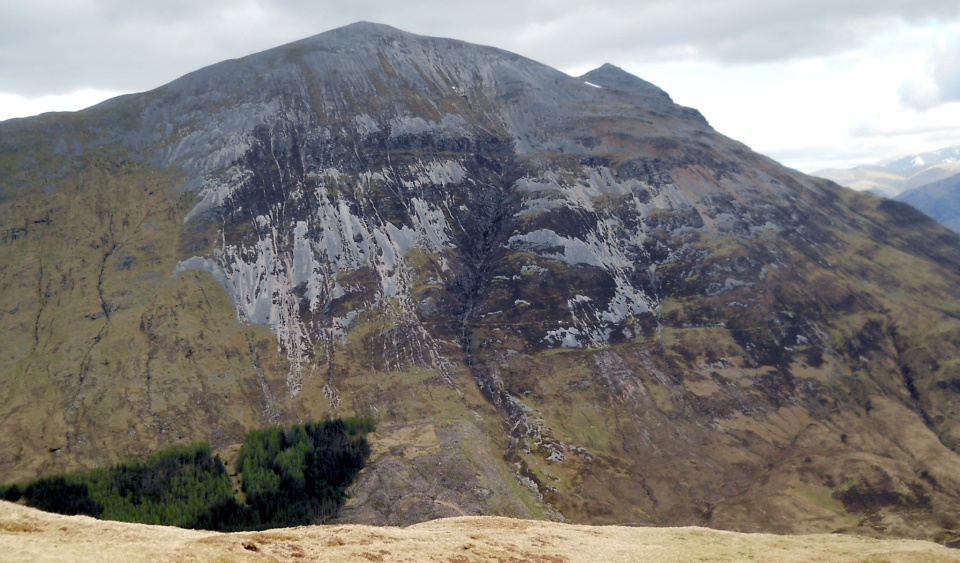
561 297
940 200
892 178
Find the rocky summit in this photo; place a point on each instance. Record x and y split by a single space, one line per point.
560 297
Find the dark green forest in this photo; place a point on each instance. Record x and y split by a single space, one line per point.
290 477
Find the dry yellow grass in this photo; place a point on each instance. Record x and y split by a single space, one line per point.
30 535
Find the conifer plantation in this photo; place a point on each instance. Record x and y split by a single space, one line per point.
290 477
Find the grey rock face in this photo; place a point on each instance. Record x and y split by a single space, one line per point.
346 151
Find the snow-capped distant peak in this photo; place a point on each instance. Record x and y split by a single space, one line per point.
918 161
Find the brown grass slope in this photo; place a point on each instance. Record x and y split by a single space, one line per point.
31 535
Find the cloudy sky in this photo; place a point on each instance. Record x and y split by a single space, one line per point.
813 83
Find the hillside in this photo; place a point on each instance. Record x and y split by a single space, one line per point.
31 535
558 300
940 200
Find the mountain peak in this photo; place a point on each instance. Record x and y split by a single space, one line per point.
363 32
369 27
614 77
364 29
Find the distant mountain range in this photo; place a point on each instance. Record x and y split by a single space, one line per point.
894 177
929 181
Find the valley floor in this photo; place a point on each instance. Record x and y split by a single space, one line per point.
30 535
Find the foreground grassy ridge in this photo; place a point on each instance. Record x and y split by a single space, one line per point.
29 535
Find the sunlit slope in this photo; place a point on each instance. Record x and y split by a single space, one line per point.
30 535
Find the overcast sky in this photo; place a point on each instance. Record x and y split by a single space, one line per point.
812 83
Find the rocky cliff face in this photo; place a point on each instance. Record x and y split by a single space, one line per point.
560 296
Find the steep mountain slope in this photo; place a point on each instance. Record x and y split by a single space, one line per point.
561 297
940 200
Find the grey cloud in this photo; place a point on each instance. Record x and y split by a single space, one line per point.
946 71
810 159
51 46
55 47
879 129
920 93
941 82
744 31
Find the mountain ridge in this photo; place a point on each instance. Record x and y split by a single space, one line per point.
32 535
